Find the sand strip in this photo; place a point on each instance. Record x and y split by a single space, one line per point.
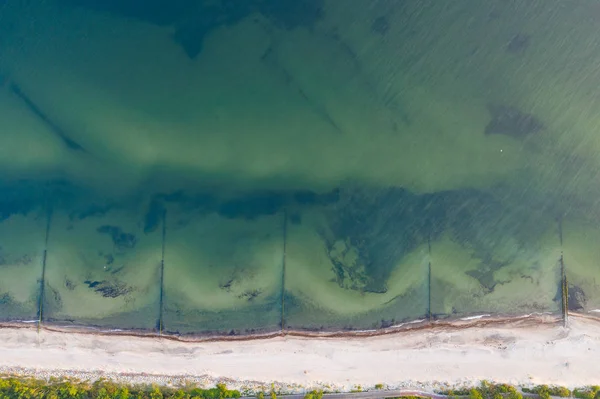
516 352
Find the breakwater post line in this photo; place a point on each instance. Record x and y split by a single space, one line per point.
42 284
563 278
162 273
283 271
429 280
565 292
44 257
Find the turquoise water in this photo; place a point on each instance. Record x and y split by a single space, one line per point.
213 167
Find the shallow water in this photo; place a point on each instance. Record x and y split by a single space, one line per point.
309 164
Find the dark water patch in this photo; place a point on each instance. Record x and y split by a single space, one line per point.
153 216
5 299
252 206
249 206
194 20
307 197
512 122
371 231
203 203
518 44
485 273
493 232
92 284
380 26
158 12
295 218
576 298
208 16
22 197
121 240
92 211
191 32
291 14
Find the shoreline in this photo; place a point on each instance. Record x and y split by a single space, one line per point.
525 352
416 325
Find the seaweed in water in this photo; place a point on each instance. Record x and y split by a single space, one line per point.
370 232
250 295
121 240
512 122
576 298
107 289
69 284
5 299
492 232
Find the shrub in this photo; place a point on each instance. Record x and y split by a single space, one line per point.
475 394
314 395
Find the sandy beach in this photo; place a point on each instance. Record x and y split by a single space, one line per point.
521 352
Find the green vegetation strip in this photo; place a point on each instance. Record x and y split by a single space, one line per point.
17 388
29 388
488 390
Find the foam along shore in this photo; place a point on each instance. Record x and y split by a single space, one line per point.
523 351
